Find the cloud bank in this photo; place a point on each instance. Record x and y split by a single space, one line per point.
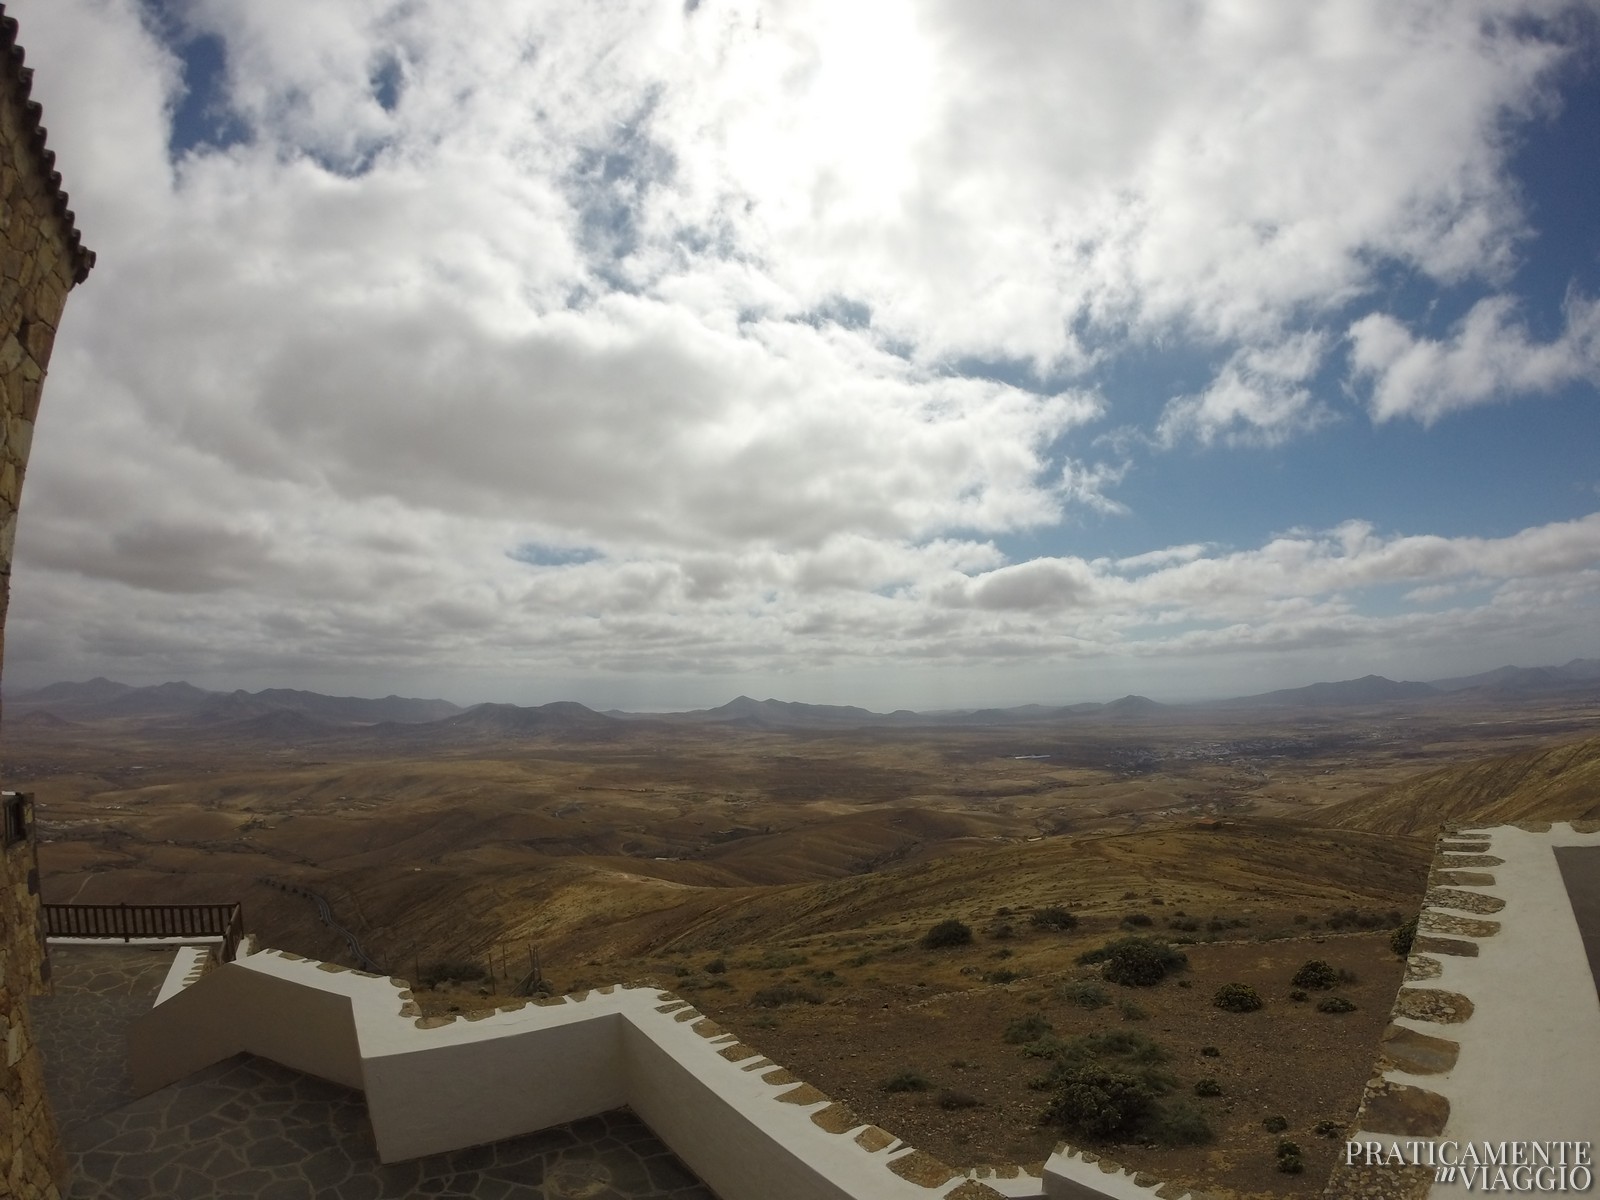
543 337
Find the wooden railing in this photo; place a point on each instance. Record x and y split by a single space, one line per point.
130 921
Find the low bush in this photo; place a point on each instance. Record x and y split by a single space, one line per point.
950 1101
1053 916
1001 976
1275 1124
775 960
780 994
1401 939
947 933
1336 1004
1297 995
1210 1051
1207 1087
1026 1029
1181 1124
1348 918
716 966
1316 975
1138 920
1131 1011
1328 1129
1237 997
1135 961
1097 1103
906 1081
1085 994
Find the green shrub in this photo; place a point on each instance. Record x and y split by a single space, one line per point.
1207 1087
1002 931
947 933
906 1081
1138 919
1210 1051
1290 1164
780 994
1286 1148
1053 916
1085 994
1001 976
1316 975
1184 924
1181 1124
1026 1029
1336 1004
950 1101
1135 961
1097 1103
1328 1129
1401 939
1237 997
716 966
1131 1011
1297 995
1048 1046
1275 1124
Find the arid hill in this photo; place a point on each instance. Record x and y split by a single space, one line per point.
1560 783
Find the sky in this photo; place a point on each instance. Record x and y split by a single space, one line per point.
912 354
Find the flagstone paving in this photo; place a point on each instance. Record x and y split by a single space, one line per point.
250 1129
82 1030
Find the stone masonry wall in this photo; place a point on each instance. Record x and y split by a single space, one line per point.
41 258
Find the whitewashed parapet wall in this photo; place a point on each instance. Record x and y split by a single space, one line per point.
740 1121
1495 1033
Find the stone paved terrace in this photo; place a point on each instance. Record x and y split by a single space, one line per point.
249 1129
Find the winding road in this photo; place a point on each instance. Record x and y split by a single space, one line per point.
325 911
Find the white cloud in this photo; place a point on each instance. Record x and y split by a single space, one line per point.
1489 357
1260 397
691 291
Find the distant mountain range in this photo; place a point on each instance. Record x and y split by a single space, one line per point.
103 699
284 714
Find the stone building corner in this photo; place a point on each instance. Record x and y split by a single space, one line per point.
42 257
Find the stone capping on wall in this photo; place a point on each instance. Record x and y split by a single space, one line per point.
1074 1174
737 1118
19 79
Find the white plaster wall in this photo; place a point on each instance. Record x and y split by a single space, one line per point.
1070 1176
471 1082
235 1009
724 1123
444 1094
186 962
